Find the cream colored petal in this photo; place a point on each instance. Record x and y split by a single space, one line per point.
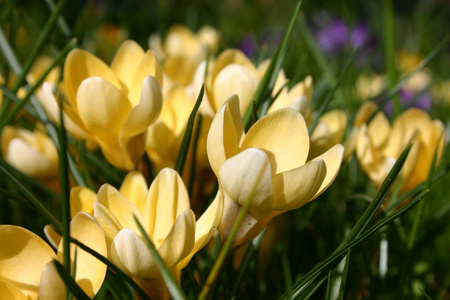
111 226
131 253
205 227
294 188
248 175
367 155
126 61
53 237
167 199
149 65
225 134
161 145
232 56
336 122
11 292
180 240
134 188
23 256
51 106
90 271
82 199
80 65
379 130
365 112
284 137
52 286
333 161
146 112
102 107
234 79
29 161
120 207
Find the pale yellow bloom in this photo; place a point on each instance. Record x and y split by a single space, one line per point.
269 164
164 212
32 153
26 268
111 105
378 145
369 86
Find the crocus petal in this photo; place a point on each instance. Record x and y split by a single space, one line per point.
148 109
294 188
131 253
167 199
81 199
231 56
11 292
379 130
52 286
80 65
180 240
102 107
225 134
333 161
365 112
234 79
23 259
134 188
126 61
111 226
284 137
120 207
246 175
53 236
149 65
90 271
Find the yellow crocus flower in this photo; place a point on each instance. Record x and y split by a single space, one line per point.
164 212
269 164
111 105
26 268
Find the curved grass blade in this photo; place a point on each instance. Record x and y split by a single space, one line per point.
267 83
184 148
193 169
61 23
330 96
340 253
8 95
171 283
113 267
35 201
71 285
344 276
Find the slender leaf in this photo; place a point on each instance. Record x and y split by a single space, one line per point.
61 23
184 148
71 285
344 276
170 281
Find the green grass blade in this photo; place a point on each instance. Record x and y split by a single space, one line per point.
170 281
71 285
197 132
113 268
268 81
35 201
61 23
340 253
330 95
184 147
8 95
8 53
344 276
328 291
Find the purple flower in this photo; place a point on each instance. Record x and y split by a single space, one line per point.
360 36
333 37
248 46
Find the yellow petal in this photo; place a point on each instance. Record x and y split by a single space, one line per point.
146 112
284 137
111 226
23 256
53 236
180 240
120 207
234 79
126 61
90 271
82 199
294 188
333 161
246 175
336 122
52 286
379 130
167 199
365 112
11 292
80 65
134 188
231 56
102 107
149 65
225 134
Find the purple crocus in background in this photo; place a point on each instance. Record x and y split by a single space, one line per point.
408 99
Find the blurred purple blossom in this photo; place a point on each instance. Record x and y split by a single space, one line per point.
248 45
408 99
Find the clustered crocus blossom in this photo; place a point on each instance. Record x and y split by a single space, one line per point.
165 214
112 106
268 164
27 270
378 144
